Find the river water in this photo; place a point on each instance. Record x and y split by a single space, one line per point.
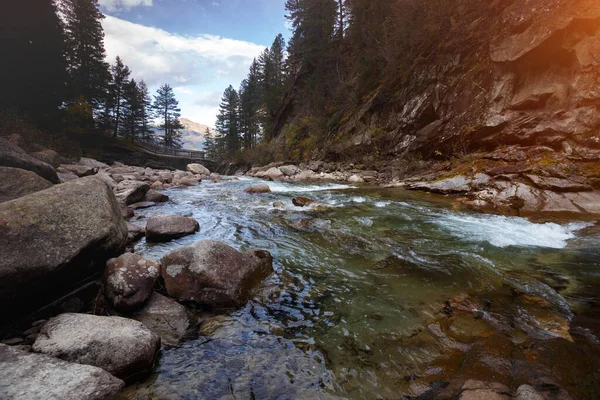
384 293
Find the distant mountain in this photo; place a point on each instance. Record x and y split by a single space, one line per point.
193 134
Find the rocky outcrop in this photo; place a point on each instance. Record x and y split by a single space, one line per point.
37 376
214 274
53 239
163 228
15 157
165 317
129 280
15 183
198 169
121 346
257 189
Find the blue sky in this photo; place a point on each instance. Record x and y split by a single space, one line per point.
197 46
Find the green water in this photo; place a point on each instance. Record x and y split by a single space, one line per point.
357 306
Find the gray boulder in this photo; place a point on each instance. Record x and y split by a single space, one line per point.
90 162
197 169
165 317
289 170
163 228
129 191
48 156
55 238
134 232
214 274
15 183
129 280
79 170
66 176
15 157
121 346
37 376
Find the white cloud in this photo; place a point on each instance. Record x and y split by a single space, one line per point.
162 57
120 5
199 67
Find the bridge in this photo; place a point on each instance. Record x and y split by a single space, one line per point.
159 150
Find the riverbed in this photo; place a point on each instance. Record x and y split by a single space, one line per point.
383 293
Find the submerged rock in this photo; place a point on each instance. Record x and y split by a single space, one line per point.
15 183
163 228
121 346
129 280
165 317
301 201
53 239
37 376
214 274
256 189
15 157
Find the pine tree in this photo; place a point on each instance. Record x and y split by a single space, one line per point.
131 111
250 106
85 54
145 111
227 125
33 74
209 145
120 79
166 108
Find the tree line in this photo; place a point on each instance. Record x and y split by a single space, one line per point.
341 54
55 72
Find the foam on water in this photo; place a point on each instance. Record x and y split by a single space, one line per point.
503 231
282 187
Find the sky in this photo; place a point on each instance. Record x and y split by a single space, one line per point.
199 47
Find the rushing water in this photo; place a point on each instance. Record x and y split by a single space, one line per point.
358 304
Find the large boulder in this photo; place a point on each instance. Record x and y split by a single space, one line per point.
15 157
38 376
121 346
48 156
53 239
289 170
165 317
163 228
198 169
129 280
214 274
130 191
90 162
257 189
274 174
301 201
15 183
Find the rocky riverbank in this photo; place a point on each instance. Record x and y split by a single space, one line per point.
515 180
64 242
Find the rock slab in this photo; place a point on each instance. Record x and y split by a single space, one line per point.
16 182
37 376
15 157
120 346
55 238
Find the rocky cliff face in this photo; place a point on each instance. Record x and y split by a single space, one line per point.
525 73
515 96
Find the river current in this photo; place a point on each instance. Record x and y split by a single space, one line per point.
383 293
